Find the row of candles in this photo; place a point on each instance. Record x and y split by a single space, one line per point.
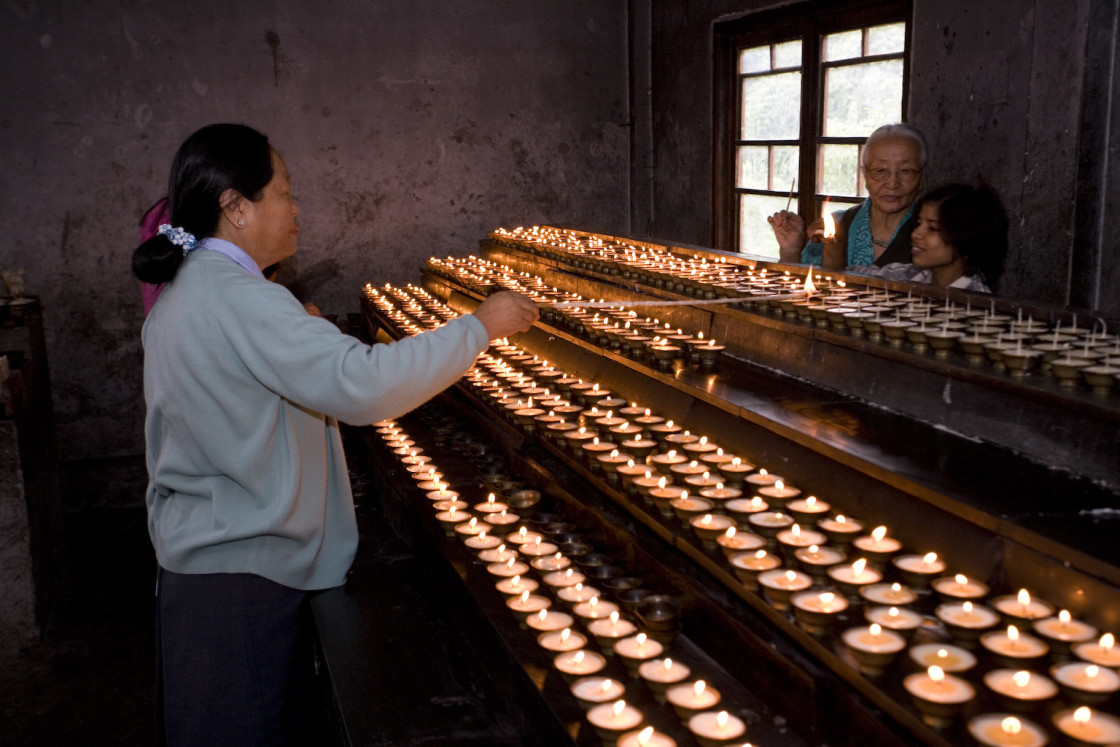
618 327
1074 355
1017 344
658 452
547 585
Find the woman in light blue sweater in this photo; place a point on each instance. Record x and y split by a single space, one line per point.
249 506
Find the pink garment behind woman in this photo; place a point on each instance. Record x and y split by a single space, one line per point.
155 216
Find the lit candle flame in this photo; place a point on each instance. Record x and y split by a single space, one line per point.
809 286
1108 640
619 707
607 685
1024 597
645 735
929 558
878 533
829 223
876 630
1010 726
858 567
699 687
1021 679
936 673
1082 715
721 719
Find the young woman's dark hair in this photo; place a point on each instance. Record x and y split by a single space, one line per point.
215 158
974 223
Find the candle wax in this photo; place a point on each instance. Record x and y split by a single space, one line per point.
1101 728
709 725
555 640
988 729
1020 685
951 689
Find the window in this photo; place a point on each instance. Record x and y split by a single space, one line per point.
797 94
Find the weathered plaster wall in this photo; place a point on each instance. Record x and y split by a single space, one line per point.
1006 91
411 129
997 87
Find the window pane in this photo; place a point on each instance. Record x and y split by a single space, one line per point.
888 39
788 54
772 107
785 167
838 170
754 60
753 171
755 235
859 98
843 46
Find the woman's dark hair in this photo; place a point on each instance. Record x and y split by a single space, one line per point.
215 158
974 223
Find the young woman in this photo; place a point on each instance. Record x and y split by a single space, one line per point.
249 505
959 240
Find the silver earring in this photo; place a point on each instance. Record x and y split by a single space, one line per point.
241 224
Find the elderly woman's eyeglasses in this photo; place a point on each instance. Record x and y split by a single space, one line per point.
882 174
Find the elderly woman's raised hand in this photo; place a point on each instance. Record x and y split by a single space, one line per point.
815 231
506 313
789 230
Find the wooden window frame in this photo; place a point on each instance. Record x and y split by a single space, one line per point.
810 22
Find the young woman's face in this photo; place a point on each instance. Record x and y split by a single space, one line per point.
928 246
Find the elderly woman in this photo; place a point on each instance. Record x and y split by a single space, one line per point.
877 231
249 505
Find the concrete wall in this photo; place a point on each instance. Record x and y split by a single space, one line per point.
1017 92
411 129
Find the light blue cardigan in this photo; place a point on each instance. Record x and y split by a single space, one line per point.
244 390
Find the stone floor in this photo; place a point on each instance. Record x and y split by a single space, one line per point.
91 680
